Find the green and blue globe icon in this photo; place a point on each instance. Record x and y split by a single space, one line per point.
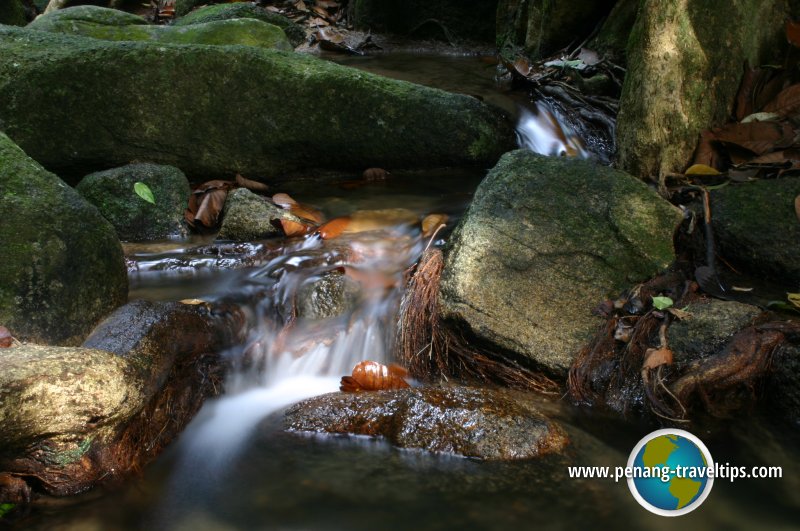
671 472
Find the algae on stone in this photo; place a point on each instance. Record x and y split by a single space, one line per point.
112 192
248 216
544 241
295 33
212 110
683 73
55 20
62 268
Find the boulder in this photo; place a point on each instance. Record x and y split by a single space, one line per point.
481 423
757 228
112 192
62 268
682 76
330 295
248 216
294 32
253 110
708 328
73 417
783 385
542 27
543 242
109 24
449 20
12 12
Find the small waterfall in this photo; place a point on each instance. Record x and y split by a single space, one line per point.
544 131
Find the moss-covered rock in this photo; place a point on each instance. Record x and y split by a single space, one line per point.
184 6
57 20
214 110
112 192
542 27
248 217
294 32
481 423
543 242
708 328
756 228
62 268
682 75
451 20
612 37
12 12
105 24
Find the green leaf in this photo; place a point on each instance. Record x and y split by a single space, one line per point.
5 508
662 303
143 191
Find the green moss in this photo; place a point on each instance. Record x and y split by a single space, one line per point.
12 13
294 32
90 14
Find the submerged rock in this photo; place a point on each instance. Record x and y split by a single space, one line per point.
62 268
73 417
294 32
106 24
544 241
482 423
708 328
682 77
112 192
757 228
331 295
255 111
248 216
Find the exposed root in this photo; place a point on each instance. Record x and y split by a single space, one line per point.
432 350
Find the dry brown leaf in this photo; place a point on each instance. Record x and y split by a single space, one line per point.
334 228
253 186
300 5
770 84
757 137
327 4
375 174
206 203
307 212
521 66
374 376
797 206
321 23
432 222
744 98
706 152
293 228
793 32
654 358
5 338
786 103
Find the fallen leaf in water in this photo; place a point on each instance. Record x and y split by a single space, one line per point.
206 203
701 169
655 357
334 228
293 228
253 186
432 222
375 174
5 338
374 376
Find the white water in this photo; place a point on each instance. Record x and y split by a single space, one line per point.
544 131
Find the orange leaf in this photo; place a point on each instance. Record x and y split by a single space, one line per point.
211 205
293 228
307 213
253 186
653 358
283 200
374 376
793 33
334 228
432 222
5 337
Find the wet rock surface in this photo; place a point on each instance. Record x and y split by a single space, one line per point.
757 228
62 268
331 295
248 216
73 417
297 113
481 423
709 326
543 242
295 33
112 192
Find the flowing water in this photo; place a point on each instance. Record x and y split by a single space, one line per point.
234 467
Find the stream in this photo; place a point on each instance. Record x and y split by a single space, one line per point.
235 468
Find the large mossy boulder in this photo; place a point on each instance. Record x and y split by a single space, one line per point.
134 218
683 75
62 268
450 20
108 24
215 110
542 27
294 32
544 241
757 228
480 423
73 417
12 13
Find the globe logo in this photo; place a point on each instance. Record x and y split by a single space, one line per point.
671 472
